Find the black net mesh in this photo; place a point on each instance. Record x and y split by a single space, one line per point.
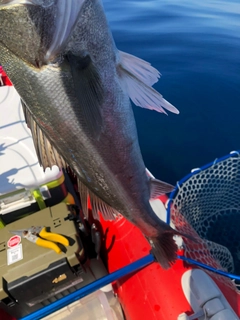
208 203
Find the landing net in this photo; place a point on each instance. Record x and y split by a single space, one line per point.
206 205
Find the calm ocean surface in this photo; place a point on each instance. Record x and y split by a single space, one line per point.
196 47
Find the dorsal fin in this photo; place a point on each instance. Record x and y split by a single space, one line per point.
47 154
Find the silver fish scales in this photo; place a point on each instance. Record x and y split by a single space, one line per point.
75 87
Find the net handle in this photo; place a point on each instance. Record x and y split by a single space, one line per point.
205 266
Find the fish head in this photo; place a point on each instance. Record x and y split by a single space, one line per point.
37 30
43 3
26 29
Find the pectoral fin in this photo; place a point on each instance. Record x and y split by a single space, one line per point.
89 92
137 77
139 68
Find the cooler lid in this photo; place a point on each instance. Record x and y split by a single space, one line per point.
19 164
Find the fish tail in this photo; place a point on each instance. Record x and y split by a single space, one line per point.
164 248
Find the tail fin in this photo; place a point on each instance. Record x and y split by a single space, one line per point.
164 248
187 236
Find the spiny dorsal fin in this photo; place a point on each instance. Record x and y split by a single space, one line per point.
137 77
89 92
47 154
158 188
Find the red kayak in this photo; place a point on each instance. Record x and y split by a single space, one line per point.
4 77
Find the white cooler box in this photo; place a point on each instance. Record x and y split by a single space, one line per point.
24 186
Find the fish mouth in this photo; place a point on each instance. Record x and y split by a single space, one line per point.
42 3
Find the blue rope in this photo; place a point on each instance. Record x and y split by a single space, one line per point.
82 292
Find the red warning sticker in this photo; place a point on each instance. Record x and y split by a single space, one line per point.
13 241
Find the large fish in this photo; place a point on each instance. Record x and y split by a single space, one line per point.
75 87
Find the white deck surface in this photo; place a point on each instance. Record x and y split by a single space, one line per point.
19 167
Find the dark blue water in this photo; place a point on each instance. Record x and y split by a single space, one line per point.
196 47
